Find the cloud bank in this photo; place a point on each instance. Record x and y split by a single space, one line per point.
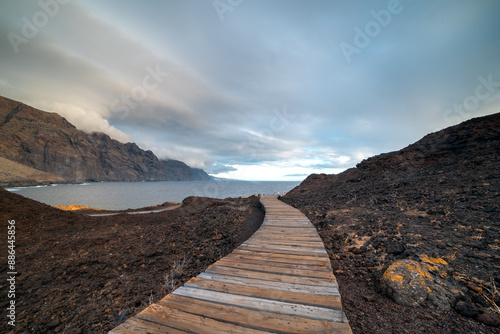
274 90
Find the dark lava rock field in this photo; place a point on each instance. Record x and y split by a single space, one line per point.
81 274
437 199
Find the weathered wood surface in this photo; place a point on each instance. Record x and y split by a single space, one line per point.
278 281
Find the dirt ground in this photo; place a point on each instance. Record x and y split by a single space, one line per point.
81 274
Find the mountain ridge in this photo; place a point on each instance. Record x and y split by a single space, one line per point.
48 142
439 148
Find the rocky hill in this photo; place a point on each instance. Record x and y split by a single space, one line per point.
13 174
49 143
414 235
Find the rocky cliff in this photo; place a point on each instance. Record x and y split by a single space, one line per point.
454 152
48 142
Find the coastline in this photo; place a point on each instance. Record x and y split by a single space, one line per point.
137 195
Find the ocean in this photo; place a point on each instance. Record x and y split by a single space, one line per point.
134 195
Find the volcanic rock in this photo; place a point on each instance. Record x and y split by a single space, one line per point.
466 309
407 282
489 319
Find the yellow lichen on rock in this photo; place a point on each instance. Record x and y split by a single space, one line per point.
435 265
390 275
407 282
432 260
420 271
411 283
76 207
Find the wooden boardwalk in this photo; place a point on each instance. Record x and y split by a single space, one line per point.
278 281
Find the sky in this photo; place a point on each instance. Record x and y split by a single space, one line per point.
255 89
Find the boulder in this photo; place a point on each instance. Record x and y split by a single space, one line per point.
414 283
406 282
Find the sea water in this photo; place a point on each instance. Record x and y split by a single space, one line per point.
133 195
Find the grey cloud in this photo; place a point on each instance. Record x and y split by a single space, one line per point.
295 175
217 169
215 108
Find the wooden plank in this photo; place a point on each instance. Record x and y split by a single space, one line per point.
265 320
255 248
292 219
279 254
284 243
287 240
281 216
260 304
303 262
291 236
271 253
292 245
282 236
161 313
292 263
276 269
288 228
287 296
139 326
249 262
288 223
248 281
271 277
289 249
290 232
